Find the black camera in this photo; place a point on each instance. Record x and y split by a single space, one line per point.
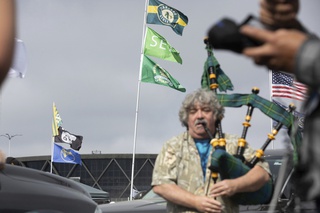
226 35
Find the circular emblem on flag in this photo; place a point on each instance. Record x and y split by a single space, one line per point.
167 15
67 137
160 76
67 155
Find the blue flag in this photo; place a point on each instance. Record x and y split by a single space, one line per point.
162 14
62 155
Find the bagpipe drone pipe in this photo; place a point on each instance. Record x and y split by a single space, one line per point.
233 166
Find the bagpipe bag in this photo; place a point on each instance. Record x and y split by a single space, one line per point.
230 167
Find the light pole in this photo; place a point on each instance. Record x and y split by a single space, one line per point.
7 135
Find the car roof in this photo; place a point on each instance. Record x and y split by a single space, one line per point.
275 152
95 193
25 189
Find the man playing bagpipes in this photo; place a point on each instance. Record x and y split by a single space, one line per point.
182 173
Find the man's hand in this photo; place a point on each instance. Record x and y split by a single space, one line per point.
253 180
279 13
279 48
226 187
177 195
207 204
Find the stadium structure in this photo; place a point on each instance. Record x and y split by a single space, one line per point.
107 172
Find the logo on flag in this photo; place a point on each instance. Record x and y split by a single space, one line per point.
64 136
157 46
153 73
62 155
162 14
167 15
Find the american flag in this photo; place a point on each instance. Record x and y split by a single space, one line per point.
284 86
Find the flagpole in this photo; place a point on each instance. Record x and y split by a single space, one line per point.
52 141
138 97
270 86
53 125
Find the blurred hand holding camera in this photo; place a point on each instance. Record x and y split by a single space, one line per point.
225 34
272 40
279 47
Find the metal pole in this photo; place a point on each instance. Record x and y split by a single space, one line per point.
7 135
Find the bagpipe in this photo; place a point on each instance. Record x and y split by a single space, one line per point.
233 166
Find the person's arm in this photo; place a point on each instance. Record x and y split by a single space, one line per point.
2 159
250 182
307 67
164 182
7 32
179 196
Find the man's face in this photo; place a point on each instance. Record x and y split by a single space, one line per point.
196 114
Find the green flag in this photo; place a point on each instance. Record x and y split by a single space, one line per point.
162 14
153 73
157 46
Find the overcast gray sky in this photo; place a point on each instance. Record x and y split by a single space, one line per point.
85 56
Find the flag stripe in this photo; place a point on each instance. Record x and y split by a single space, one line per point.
283 85
181 22
152 9
279 91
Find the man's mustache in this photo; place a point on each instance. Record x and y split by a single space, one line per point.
201 121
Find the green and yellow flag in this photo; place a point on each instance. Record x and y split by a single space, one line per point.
56 121
153 73
162 14
157 46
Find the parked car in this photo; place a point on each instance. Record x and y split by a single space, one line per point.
285 202
28 190
98 196
151 202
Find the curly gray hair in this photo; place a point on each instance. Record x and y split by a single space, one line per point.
203 97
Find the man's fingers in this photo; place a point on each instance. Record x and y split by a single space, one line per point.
255 33
261 51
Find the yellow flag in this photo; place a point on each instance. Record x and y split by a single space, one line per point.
56 121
